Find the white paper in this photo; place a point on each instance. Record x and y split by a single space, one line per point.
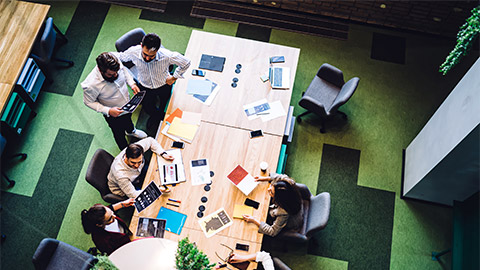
200 174
212 95
252 105
199 87
276 110
247 184
177 154
191 118
165 132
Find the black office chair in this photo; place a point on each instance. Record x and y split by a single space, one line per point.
44 48
97 173
326 93
52 254
316 212
279 265
23 156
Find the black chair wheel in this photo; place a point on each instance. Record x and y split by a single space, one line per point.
322 130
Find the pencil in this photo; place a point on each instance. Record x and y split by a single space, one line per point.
173 204
172 200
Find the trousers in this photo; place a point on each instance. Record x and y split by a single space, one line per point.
120 125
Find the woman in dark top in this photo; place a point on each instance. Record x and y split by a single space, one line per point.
108 231
286 209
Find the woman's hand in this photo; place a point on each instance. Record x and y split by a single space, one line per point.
235 258
251 219
262 178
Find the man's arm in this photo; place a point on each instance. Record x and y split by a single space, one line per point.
90 96
152 144
182 62
130 80
127 187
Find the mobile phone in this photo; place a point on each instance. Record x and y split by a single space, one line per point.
241 247
197 72
277 59
251 203
180 145
256 133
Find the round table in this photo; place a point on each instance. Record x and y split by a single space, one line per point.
148 253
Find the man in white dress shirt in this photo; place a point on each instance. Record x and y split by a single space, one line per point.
152 63
105 91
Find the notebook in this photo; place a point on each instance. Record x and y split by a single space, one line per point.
211 62
242 180
175 220
279 77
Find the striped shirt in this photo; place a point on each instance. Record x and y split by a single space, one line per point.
154 74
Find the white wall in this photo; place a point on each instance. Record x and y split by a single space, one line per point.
454 120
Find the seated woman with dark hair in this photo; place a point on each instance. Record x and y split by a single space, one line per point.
287 207
108 231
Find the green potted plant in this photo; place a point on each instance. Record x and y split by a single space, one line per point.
104 263
189 257
465 39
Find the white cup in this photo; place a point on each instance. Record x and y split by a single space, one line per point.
263 166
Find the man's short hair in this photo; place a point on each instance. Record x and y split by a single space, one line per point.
151 41
134 151
107 61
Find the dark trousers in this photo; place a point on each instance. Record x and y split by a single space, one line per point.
120 125
149 102
138 182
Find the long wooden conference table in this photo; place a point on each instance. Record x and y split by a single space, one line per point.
19 25
223 138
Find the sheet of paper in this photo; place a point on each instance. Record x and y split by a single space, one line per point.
165 132
241 209
191 118
252 105
177 155
200 87
185 131
215 222
276 110
200 172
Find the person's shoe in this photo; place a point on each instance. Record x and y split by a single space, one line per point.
137 133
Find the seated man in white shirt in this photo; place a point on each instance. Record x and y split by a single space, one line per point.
128 168
105 91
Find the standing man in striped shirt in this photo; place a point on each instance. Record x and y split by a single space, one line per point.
152 62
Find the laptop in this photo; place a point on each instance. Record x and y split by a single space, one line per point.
279 77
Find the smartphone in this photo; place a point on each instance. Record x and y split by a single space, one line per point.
180 145
241 247
256 133
251 203
277 59
197 72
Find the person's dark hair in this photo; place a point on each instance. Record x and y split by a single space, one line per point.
151 41
107 61
134 151
93 217
287 197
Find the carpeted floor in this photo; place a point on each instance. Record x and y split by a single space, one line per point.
358 161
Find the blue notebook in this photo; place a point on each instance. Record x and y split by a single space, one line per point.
175 220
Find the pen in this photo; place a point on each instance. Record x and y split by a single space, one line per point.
263 113
172 204
172 200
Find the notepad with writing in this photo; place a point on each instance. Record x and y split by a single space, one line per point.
241 210
242 180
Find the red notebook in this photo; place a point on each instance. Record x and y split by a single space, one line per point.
242 180
177 113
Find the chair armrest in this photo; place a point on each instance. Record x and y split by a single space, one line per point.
279 265
312 105
345 94
304 191
292 236
319 213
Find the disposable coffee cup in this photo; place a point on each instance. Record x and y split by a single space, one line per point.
263 166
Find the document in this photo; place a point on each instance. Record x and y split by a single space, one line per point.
191 118
151 227
165 132
177 113
215 222
182 130
200 172
147 196
207 99
252 109
242 180
276 110
171 172
199 87
241 210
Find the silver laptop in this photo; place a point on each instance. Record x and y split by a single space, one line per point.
279 77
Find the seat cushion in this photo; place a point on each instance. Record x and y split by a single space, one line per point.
322 92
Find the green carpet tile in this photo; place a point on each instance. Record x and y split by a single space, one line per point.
27 220
177 12
253 32
80 42
360 226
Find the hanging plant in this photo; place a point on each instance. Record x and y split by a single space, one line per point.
465 39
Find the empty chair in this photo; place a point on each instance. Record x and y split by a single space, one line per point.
52 254
97 173
326 93
43 51
129 39
316 211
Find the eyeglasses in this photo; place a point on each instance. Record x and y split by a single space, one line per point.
230 254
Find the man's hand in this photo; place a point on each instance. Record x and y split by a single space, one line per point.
168 157
171 80
115 111
135 89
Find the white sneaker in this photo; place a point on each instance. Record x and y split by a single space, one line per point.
137 133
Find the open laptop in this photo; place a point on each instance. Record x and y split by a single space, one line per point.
279 77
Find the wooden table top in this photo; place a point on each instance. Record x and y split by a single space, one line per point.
227 107
19 25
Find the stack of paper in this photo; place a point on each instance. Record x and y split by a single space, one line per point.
242 180
182 125
241 210
265 110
